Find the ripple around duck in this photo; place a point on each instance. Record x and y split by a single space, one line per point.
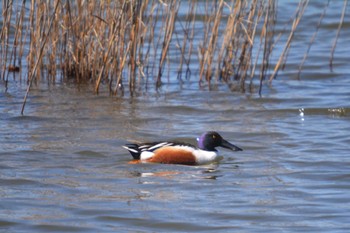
60 228
18 182
4 223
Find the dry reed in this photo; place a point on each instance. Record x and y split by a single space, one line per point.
337 35
313 37
114 42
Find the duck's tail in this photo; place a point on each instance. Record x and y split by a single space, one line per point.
134 150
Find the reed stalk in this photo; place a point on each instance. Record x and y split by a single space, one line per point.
301 9
188 33
40 54
267 40
337 35
313 38
168 33
212 42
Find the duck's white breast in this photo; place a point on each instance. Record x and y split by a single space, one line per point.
146 155
205 157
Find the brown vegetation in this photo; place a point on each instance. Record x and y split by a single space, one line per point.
128 41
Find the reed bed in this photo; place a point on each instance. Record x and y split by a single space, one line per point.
127 43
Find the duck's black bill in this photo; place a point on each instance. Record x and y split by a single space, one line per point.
230 146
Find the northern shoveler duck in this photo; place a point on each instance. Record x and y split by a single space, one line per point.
181 153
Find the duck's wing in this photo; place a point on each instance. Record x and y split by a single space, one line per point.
137 149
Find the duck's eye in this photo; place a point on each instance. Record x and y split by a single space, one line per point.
214 136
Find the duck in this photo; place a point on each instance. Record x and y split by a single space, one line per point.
168 152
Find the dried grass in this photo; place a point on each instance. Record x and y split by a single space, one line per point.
130 41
